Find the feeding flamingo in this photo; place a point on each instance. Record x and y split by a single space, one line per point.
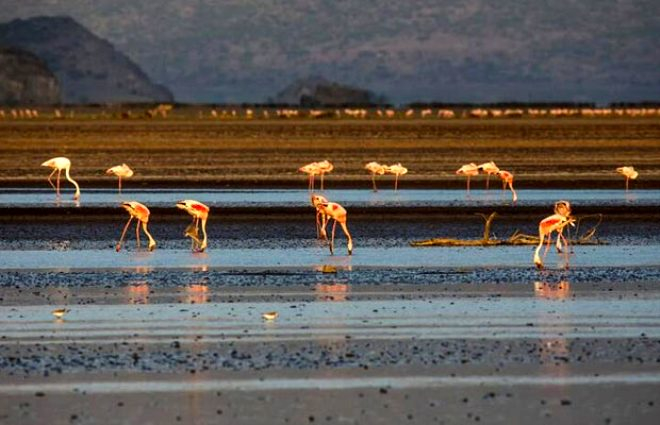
628 173
324 166
468 170
199 212
554 223
312 169
397 170
141 213
334 211
321 217
489 168
121 171
375 168
507 178
58 164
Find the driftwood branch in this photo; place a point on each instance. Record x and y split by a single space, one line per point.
517 238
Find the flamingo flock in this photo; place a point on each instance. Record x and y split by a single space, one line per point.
325 209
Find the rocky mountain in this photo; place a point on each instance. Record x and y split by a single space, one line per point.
443 50
26 80
88 68
317 91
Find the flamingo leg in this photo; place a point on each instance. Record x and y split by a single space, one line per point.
51 176
59 172
537 258
324 223
322 181
468 184
152 242
515 195
396 182
123 233
627 184
487 180
137 234
120 184
373 181
332 241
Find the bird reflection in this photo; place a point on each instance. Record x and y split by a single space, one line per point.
556 291
197 294
138 293
331 291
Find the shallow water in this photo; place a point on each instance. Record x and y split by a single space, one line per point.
347 197
312 258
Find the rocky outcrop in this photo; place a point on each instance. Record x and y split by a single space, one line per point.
317 91
25 79
88 68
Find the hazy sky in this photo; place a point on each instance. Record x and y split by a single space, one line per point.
446 50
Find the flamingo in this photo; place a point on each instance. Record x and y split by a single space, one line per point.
397 170
507 178
334 211
324 166
120 171
375 168
468 170
141 213
321 217
489 168
58 164
554 223
312 169
628 173
199 212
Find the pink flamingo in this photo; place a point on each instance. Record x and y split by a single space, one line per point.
321 217
489 168
324 166
628 173
468 170
141 213
554 223
507 178
312 169
375 168
336 212
199 212
397 170
58 164
121 171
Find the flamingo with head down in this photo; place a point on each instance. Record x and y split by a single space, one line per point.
489 168
554 223
58 164
199 212
507 178
333 210
141 213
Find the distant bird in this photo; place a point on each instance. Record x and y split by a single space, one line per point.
312 169
324 166
270 316
199 212
375 168
141 213
507 178
554 223
321 217
489 168
60 312
468 170
628 173
336 212
397 170
58 164
121 171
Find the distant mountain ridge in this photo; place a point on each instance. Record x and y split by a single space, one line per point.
26 80
427 50
88 68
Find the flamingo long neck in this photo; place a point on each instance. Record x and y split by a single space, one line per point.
152 242
204 242
68 177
